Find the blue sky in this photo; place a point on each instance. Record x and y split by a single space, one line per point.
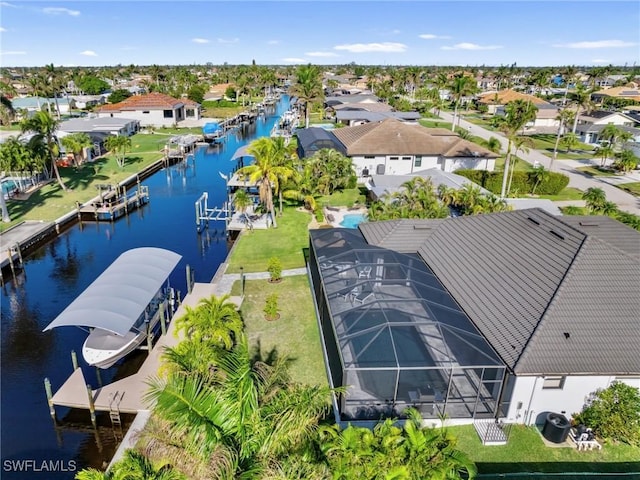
94 33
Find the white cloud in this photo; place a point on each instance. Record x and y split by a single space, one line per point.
321 54
199 40
2 29
294 60
372 47
61 11
7 4
13 52
273 42
228 40
597 44
89 53
470 46
431 36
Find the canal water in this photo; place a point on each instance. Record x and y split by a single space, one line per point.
58 272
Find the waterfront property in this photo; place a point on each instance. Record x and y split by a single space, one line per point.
153 109
502 315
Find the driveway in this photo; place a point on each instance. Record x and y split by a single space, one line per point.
582 181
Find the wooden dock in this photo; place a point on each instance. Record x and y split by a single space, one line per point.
114 204
19 239
127 395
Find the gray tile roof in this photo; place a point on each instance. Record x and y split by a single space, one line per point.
526 277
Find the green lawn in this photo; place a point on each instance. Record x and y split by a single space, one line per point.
632 188
596 171
286 242
526 452
568 193
344 198
546 142
430 123
295 334
521 165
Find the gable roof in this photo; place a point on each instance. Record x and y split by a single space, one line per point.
150 101
632 93
506 96
526 277
393 137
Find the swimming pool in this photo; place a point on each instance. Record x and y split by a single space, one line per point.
352 220
8 186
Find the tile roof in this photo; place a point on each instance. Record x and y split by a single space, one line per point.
526 277
150 101
393 137
620 92
506 96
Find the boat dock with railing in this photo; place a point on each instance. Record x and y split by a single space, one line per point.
113 204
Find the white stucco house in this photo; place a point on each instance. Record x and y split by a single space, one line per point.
393 147
591 124
546 116
505 316
153 110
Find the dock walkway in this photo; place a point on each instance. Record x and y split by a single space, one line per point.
19 237
130 390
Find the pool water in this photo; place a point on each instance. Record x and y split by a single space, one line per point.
352 220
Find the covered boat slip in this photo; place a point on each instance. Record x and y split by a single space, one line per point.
123 305
395 337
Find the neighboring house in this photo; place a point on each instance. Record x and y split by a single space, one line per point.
310 140
153 109
497 316
591 124
88 101
34 104
546 116
109 125
628 93
392 147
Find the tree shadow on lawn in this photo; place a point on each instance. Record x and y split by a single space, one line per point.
270 357
19 208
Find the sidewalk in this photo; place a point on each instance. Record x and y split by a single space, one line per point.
223 286
579 180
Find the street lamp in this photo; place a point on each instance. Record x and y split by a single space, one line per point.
242 279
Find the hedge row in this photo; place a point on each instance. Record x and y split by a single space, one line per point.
522 183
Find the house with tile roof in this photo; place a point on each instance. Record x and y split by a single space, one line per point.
392 147
500 316
546 116
630 92
153 110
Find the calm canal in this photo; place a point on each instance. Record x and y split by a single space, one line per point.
59 271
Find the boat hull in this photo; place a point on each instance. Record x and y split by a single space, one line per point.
103 349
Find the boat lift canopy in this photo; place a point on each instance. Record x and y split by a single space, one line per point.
242 152
119 296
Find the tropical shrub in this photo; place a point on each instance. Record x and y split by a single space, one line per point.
614 413
271 308
275 269
523 182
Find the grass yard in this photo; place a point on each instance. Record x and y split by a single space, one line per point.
429 123
546 142
521 165
568 193
344 198
633 188
255 248
526 452
596 171
295 334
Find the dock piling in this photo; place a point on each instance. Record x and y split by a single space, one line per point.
189 280
74 360
99 376
163 322
47 389
149 338
92 406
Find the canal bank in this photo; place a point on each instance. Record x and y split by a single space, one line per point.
62 268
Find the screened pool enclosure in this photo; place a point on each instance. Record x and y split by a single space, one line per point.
395 337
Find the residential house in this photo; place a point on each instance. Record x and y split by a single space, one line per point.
98 129
591 124
153 109
546 116
499 316
87 101
631 92
392 147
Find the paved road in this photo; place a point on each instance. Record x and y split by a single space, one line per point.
624 200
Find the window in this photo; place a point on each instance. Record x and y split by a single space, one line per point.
553 383
406 158
418 161
145 111
369 156
168 114
394 158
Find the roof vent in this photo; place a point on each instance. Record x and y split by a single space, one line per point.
566 335
557 234
422 227
592 223
531 219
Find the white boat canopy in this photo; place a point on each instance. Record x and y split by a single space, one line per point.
116 299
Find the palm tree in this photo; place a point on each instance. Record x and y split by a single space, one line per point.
604 152
570 140
215 321
594 197
76 143
521 144
539 175
45 126
266 172
118 144
564 118
242 200
244 418
308 87
517 114
461 86
284 153
626 161
133 466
